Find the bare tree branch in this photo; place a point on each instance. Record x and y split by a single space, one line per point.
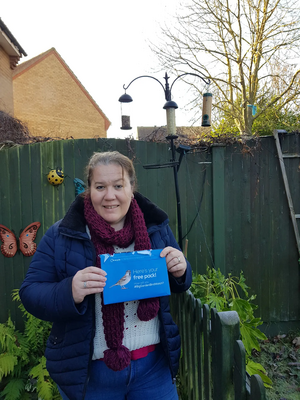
236 44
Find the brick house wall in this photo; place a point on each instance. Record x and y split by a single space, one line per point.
6 85
10 53
52 102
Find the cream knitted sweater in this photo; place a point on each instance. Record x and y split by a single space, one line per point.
137 333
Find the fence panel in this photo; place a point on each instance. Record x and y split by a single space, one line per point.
234 209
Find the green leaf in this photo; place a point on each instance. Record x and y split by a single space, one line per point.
242 283
255 331
256 321
256 368
44 389
13 389
44 384
39 371
250 336
7 364
216 302
243 308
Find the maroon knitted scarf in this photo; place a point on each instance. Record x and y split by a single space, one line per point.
103 236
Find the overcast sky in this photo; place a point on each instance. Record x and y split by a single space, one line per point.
106 45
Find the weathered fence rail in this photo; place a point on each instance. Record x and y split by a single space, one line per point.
213 361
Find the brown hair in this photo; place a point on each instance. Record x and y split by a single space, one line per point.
110 157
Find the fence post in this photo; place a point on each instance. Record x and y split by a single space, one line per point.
198 332
182 299
207 353
239 372
257 389
195 347
218 201
225 331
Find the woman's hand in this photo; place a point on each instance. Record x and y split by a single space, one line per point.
176 263
89 280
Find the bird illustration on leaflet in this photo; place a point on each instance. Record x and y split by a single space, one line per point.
124 280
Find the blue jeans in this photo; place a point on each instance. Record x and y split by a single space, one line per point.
148 378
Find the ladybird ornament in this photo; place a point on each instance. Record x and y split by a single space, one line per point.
56 177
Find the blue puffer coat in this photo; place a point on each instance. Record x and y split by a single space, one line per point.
47 294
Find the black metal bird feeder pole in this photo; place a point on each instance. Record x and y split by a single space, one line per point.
170 107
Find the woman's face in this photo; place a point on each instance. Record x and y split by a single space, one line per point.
111 194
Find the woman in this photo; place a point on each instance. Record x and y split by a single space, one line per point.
95 351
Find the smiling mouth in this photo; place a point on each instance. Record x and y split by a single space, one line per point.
110 207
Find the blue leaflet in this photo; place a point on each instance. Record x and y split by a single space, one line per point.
134 276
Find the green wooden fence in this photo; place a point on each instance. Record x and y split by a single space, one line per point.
213 362
234 209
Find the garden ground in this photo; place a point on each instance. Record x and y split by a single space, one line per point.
280 356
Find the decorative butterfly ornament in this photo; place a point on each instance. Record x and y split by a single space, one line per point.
26 240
